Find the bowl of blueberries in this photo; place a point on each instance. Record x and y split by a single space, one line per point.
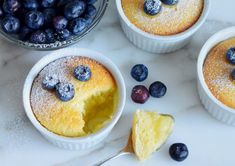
49 24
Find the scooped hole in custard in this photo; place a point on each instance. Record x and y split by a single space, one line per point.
99 109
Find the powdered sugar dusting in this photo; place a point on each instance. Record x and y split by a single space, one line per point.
63 69
223 83
60 70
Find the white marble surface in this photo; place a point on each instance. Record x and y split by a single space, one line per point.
209 141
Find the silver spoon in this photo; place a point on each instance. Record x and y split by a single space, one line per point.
127 150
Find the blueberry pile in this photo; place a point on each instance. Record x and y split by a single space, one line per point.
65 91
230 56
46 21
153 7
140 93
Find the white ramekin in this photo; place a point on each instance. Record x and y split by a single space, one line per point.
159 44
216 108
78 143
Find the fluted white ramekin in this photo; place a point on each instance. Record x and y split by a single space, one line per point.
215 107
155 43
77 143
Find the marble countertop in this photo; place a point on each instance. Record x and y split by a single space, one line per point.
209 141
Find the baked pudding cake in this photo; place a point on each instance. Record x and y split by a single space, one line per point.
219 72
150 130
170 19
91 106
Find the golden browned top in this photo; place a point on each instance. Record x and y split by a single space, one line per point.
171 20
89 110
217 73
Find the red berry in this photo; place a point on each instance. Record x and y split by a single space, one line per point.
140 94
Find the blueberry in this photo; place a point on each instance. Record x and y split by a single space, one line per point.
140 94
152 7
1 12
63 34
74 9
34 19
50 82
65 91
178 151
21 13
139 72
233 74
10 24
91 10
11 6
88 19
230 55
157 89
82 73
48 3
48 14
170 2
60 22
77 25
30 4
50 38
24 33
91 1
38 37
61 4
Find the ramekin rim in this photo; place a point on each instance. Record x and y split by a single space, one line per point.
81 52
210 43
178 36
